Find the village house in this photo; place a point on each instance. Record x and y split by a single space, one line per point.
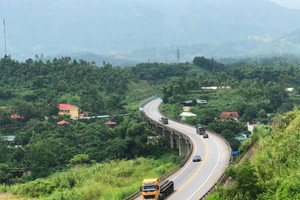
185 115
66 109
229 115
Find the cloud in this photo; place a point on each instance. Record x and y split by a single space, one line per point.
137 13
293 4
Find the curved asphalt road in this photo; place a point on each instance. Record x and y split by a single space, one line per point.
195 178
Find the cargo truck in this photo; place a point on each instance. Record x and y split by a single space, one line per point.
153 189
200 130
164 120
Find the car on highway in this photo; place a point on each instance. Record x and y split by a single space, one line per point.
196 158
205 135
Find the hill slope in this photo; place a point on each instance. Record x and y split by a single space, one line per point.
273 172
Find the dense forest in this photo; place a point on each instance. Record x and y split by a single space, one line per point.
31 91
255 89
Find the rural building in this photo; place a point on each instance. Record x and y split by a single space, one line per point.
66 109
9 139
111 124
63 122
185 115
16 117
229 115
200 101
191 103
251 126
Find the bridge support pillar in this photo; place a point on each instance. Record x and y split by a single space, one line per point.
188 146
164 132
172 140
184 146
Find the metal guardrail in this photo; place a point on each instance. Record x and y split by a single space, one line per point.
223 176
214 187
146 101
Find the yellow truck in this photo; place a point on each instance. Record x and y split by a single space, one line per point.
153 189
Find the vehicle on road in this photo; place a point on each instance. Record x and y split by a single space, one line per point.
200 130
153 189
196 158
164 120
205 135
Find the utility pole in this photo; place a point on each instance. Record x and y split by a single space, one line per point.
4 37
178 54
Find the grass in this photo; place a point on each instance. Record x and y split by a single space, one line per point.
137 93
107 181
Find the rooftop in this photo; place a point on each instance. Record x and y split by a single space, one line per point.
110 123
226 115
9 138
187 114
66 106
63 122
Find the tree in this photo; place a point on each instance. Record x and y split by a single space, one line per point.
80 159
234 144
247 180
227 134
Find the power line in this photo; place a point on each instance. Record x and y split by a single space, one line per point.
178 55
4 37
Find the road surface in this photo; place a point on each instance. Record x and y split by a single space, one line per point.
195 178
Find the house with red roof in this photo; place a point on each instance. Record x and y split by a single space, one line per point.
63 122
15 116
229 115
111 124
67 109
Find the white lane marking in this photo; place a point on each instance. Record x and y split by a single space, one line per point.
210 172
217 163
183 169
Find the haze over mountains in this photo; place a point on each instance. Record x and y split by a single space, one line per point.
149 30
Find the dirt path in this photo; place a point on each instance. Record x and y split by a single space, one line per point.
250 153
10 196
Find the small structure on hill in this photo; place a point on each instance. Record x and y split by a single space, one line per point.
193 102
68 109
251 126
15 116
229 115
63 122
201 101
9 139
185 115
111 124
242 138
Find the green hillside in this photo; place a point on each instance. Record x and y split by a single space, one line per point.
273 172
107 181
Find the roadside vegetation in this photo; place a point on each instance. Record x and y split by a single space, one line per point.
273 171
114 180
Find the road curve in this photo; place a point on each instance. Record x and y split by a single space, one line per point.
195 178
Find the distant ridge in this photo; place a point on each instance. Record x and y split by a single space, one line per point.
56 27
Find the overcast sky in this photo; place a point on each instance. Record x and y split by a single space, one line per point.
294 4
55 27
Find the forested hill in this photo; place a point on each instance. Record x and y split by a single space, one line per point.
94 89
99 90
273 172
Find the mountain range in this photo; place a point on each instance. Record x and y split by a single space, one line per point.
146 30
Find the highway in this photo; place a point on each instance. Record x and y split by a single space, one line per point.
195 178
